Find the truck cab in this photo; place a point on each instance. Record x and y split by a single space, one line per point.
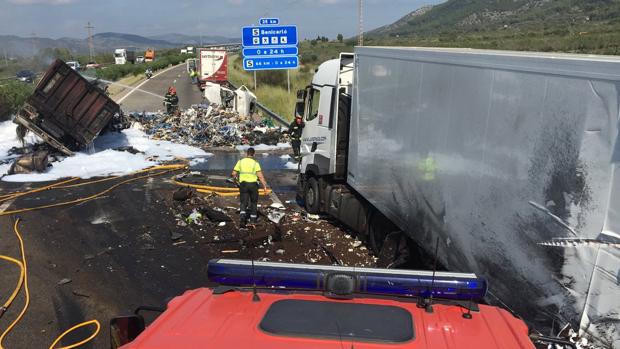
325 106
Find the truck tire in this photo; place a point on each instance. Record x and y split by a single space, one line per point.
312 200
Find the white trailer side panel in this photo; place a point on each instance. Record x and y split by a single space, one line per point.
509 158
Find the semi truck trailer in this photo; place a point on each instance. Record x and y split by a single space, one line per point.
124 56
497 163
212 66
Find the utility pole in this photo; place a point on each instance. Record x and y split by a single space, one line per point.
360 12
91 44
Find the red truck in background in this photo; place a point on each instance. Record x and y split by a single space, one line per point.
149 55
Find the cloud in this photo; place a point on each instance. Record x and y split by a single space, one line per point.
46 2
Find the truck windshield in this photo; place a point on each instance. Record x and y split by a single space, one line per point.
118 55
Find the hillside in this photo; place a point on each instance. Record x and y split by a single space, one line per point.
559 25
104 43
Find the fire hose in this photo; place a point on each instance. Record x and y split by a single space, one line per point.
219 191
23 266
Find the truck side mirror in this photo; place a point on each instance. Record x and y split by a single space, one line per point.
299 109
301 95
124 329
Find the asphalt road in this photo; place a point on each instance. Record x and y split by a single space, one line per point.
158 85
105 257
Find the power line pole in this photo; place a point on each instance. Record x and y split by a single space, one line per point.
91 44
360 8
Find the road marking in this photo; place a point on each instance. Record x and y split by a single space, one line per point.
133 89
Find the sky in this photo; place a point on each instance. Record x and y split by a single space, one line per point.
68 18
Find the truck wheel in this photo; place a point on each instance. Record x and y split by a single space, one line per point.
311 196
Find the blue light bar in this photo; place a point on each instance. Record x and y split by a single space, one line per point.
457 286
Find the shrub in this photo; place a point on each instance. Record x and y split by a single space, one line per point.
12 97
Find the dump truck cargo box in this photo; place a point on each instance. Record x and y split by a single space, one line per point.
66 110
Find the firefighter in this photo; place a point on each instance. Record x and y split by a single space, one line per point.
295 131
247 173
171 101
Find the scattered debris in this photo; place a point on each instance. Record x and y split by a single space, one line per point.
229 251
207 126
215 214
33 162
194 217
175 235
64 281
80 294
280 251
182 194
275 216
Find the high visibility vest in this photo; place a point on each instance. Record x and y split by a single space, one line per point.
428 167
247 168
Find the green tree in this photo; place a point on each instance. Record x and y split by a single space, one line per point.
340 38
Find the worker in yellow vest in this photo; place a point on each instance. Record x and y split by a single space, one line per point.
247 172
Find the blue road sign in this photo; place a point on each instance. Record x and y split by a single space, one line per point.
269 21
270 63
269 36
270 51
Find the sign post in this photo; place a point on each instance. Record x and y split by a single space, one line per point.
270 46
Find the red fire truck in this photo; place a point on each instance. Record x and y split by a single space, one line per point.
283 305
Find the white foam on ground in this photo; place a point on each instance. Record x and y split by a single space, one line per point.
8 140
107 162
285 157
264 147
291 165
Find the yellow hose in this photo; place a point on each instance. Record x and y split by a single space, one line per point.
23 279
10 300
229 193
219 191
51 186
91 197
84 341
59 185
23 311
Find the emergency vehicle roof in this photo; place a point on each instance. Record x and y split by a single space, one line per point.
201 319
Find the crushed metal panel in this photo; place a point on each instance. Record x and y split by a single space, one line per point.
495 154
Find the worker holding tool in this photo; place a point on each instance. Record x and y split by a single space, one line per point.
171 100
247 172
295 130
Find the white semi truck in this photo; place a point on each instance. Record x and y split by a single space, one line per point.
124 56
505 161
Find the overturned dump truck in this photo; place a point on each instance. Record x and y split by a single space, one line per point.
65 110
503 162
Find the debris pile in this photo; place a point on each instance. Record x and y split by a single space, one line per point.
211 126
